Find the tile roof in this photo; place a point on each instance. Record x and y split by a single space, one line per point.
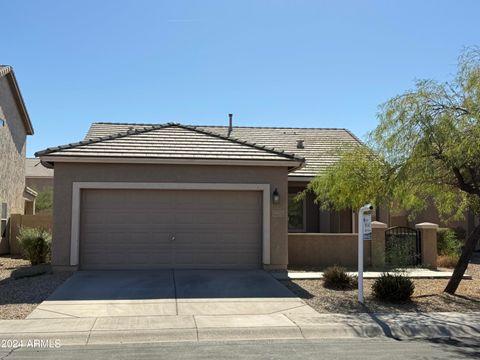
169 141
34 168
320 144
5 69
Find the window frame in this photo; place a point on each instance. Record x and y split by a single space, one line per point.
3 219
304 215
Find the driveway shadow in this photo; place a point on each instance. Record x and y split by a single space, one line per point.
170 284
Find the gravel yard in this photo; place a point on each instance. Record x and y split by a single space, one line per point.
428 295
18 297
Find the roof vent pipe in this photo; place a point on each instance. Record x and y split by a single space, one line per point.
300 144
230 124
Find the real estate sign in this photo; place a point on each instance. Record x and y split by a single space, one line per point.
367 226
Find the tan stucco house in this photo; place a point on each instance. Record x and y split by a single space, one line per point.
15 125
142 196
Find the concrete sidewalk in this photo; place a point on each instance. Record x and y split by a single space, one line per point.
286 325
411 273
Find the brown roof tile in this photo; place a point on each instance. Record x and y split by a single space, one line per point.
168 141
320 150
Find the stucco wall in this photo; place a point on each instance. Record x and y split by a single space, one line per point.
40 184
67 173
12 151
323 250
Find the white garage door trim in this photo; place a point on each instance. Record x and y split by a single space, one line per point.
78 186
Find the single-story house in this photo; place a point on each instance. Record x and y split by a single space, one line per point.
143 196
318 146
15 126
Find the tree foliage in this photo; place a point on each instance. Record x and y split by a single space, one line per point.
44 202
426 146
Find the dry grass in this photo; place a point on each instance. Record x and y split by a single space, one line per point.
428 295
18 297
447 261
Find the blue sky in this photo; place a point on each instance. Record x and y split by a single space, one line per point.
271 63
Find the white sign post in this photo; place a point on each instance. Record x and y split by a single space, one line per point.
364 233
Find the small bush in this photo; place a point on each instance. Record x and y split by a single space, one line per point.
393 287
36 244
335 277
448 243
447 261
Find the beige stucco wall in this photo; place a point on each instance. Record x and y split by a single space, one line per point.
67 173
314 249
12 156
12 151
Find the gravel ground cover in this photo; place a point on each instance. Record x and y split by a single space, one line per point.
18 297
428 295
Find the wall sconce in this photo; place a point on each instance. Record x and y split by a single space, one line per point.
275 196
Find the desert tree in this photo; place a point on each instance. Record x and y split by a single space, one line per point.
425 148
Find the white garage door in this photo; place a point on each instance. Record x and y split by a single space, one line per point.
153 229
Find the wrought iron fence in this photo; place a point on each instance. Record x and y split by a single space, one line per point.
403 247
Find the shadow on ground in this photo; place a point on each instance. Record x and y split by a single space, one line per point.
170 284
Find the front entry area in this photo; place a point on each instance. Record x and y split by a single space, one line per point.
170 229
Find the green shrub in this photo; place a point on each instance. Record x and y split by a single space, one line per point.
335 277
448 243
461 233
36 244
393 287
44 202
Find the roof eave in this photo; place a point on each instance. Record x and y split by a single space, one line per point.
9 73
49 160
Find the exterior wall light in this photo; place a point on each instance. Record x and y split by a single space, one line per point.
275 196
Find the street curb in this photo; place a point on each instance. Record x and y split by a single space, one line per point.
322 326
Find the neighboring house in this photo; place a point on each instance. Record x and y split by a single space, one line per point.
15 125
38 177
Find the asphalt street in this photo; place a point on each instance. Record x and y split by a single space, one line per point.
358 349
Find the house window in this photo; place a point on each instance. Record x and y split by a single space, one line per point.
296 214
3 220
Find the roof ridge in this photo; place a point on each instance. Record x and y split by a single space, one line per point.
226 126
245 142
162 126
276 127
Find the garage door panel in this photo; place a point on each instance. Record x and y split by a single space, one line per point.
133 229
135 259
216 220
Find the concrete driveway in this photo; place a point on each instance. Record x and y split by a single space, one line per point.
220 293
